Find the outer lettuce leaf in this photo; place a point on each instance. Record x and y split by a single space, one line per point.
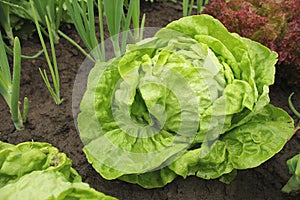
49 184
153 179
261 138
261 58
246 146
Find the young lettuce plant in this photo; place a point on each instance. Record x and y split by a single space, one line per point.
293 184
10 86
55 90
45 173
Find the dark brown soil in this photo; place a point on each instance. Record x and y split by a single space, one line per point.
48 122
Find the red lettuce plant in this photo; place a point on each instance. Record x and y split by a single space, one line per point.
274 23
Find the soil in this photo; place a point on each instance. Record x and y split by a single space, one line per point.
54 124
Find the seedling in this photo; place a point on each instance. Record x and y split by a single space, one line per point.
53 68
10 86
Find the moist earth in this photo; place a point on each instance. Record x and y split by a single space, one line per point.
48 122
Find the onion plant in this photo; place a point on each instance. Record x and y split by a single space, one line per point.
53 9
10 52
50 10
82 15
85 24
6 8
53 68
138 27
5 21
10 85
188 5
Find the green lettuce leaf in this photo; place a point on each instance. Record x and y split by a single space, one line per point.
21 159
153 179
48 184
37 170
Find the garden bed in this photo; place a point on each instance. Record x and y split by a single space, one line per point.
54 124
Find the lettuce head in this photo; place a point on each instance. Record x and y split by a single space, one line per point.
192 100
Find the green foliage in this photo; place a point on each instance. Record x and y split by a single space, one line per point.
5 21
10 86
192 100
19 14
35 170
85 25
51 11
55 90
293 184
82 15
189 5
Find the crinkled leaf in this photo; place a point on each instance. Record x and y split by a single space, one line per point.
36 170
21 159
153 179
246 146
48 184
